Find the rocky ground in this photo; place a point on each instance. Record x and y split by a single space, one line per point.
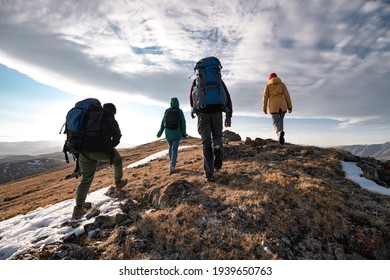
268 202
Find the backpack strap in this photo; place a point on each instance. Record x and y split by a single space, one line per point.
76 172
62 127
65 151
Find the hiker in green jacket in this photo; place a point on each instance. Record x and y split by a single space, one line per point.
174 124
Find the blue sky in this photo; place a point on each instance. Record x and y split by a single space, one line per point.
334 57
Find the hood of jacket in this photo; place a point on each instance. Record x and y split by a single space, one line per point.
175 102
274 81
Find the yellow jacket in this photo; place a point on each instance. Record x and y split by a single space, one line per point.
277 95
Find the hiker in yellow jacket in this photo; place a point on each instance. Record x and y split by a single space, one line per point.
277 98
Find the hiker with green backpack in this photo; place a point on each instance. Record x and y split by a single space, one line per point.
209 97
174 125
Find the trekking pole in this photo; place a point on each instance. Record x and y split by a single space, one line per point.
192 74
62 127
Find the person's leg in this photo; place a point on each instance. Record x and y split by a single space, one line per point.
170 151
88 168
281 127
204 129
216 131
175 148
170 143
281 121
276 122
118 165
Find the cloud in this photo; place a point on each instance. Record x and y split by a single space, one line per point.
333 55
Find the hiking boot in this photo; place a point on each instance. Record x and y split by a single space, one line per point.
281 138
87 205
78 212
210 179
172 169
217 158
120 184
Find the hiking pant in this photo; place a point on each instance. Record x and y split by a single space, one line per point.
173 148
277 121
88 165
210 129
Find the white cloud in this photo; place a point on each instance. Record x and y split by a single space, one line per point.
333 55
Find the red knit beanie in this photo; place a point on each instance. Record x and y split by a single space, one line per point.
271 76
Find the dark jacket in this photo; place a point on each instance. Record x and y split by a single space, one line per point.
109 137
180 131
110 129
214 108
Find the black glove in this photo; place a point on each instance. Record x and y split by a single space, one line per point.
193 113
228 122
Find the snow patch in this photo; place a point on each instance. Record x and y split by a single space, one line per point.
155 156
45 225
355 173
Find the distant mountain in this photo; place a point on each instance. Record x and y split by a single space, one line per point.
378 151
18 167
19 160
27 158
35 148
31 148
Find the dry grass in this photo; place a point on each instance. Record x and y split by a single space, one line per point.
293 200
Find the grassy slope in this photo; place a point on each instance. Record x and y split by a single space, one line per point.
292 201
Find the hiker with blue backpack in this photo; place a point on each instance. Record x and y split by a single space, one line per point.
209 97
92 135
174 125
277 98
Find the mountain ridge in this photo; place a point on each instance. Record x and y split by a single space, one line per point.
31 148
18 167
378 151
293 200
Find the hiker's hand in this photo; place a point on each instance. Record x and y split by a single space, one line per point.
265 111
193 113
228 122
289 111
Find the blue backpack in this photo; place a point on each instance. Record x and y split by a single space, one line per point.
209 89
83 127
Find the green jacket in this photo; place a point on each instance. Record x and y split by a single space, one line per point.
180 131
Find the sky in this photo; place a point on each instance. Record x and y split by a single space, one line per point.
333 56
44 224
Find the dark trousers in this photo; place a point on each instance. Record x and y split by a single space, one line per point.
210 129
